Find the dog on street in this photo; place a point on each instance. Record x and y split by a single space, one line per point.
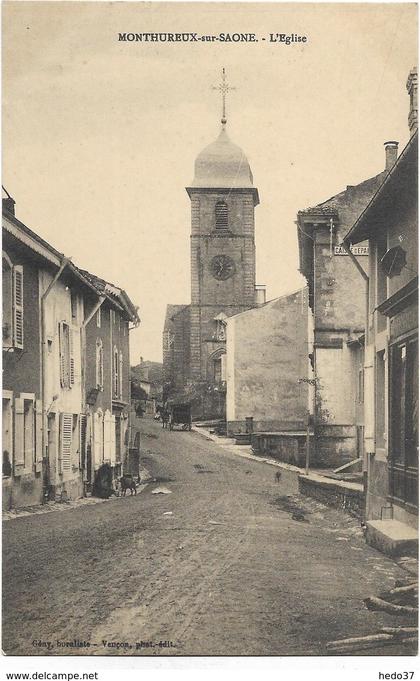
126 483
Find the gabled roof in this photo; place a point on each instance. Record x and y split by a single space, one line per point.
33 241
115 294
270 303
325 211
400 182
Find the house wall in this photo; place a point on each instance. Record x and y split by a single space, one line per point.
59 400
400 228
22 368
100 403
121 402
267 354
22 380
403 232
92 333
339 309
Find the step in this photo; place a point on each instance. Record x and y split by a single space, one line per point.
391 537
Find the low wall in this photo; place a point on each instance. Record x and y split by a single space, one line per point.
335 445
25 490
259 426
286 447
345 496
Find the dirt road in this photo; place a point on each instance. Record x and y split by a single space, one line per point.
229 563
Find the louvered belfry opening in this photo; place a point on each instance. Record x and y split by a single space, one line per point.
221 215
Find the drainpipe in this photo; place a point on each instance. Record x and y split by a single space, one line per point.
44 296
365 276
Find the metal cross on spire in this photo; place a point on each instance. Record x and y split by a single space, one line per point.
224 88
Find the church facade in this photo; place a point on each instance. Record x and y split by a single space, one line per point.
223 200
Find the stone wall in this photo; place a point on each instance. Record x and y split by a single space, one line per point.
267 356
344 496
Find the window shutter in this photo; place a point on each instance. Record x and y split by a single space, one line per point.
121 375
99 364
98 350
112 433
62 354
82 440
107 436
72 370
116 367
18 306
66 436
97 440
38 436
19 441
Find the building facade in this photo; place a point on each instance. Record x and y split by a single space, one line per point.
336 299
266 368
107 377
52 364
390 224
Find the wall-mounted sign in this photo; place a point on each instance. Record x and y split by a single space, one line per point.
356 250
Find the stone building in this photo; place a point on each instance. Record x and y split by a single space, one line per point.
109 317
390 224
223 199
266 372
336 299
66 370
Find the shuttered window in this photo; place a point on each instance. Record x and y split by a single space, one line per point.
19 441
24 434
71 358
121 375
7 297
18 306
98 440
67 359
29 433
112 443
107 436
38 436
66 439
221 215
7 436
99 364
116 380
82 440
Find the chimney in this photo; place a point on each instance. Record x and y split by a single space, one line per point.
7 202
412 91
391 154
260 294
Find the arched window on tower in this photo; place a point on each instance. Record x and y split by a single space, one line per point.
221 215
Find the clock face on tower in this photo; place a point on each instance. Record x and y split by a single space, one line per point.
222 267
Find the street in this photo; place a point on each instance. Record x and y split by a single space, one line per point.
240 565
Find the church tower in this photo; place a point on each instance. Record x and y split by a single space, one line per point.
223 200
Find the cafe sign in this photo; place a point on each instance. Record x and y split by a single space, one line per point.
356 250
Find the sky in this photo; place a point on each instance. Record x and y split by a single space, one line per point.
100 136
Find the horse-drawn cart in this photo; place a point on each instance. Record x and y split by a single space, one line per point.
180 415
